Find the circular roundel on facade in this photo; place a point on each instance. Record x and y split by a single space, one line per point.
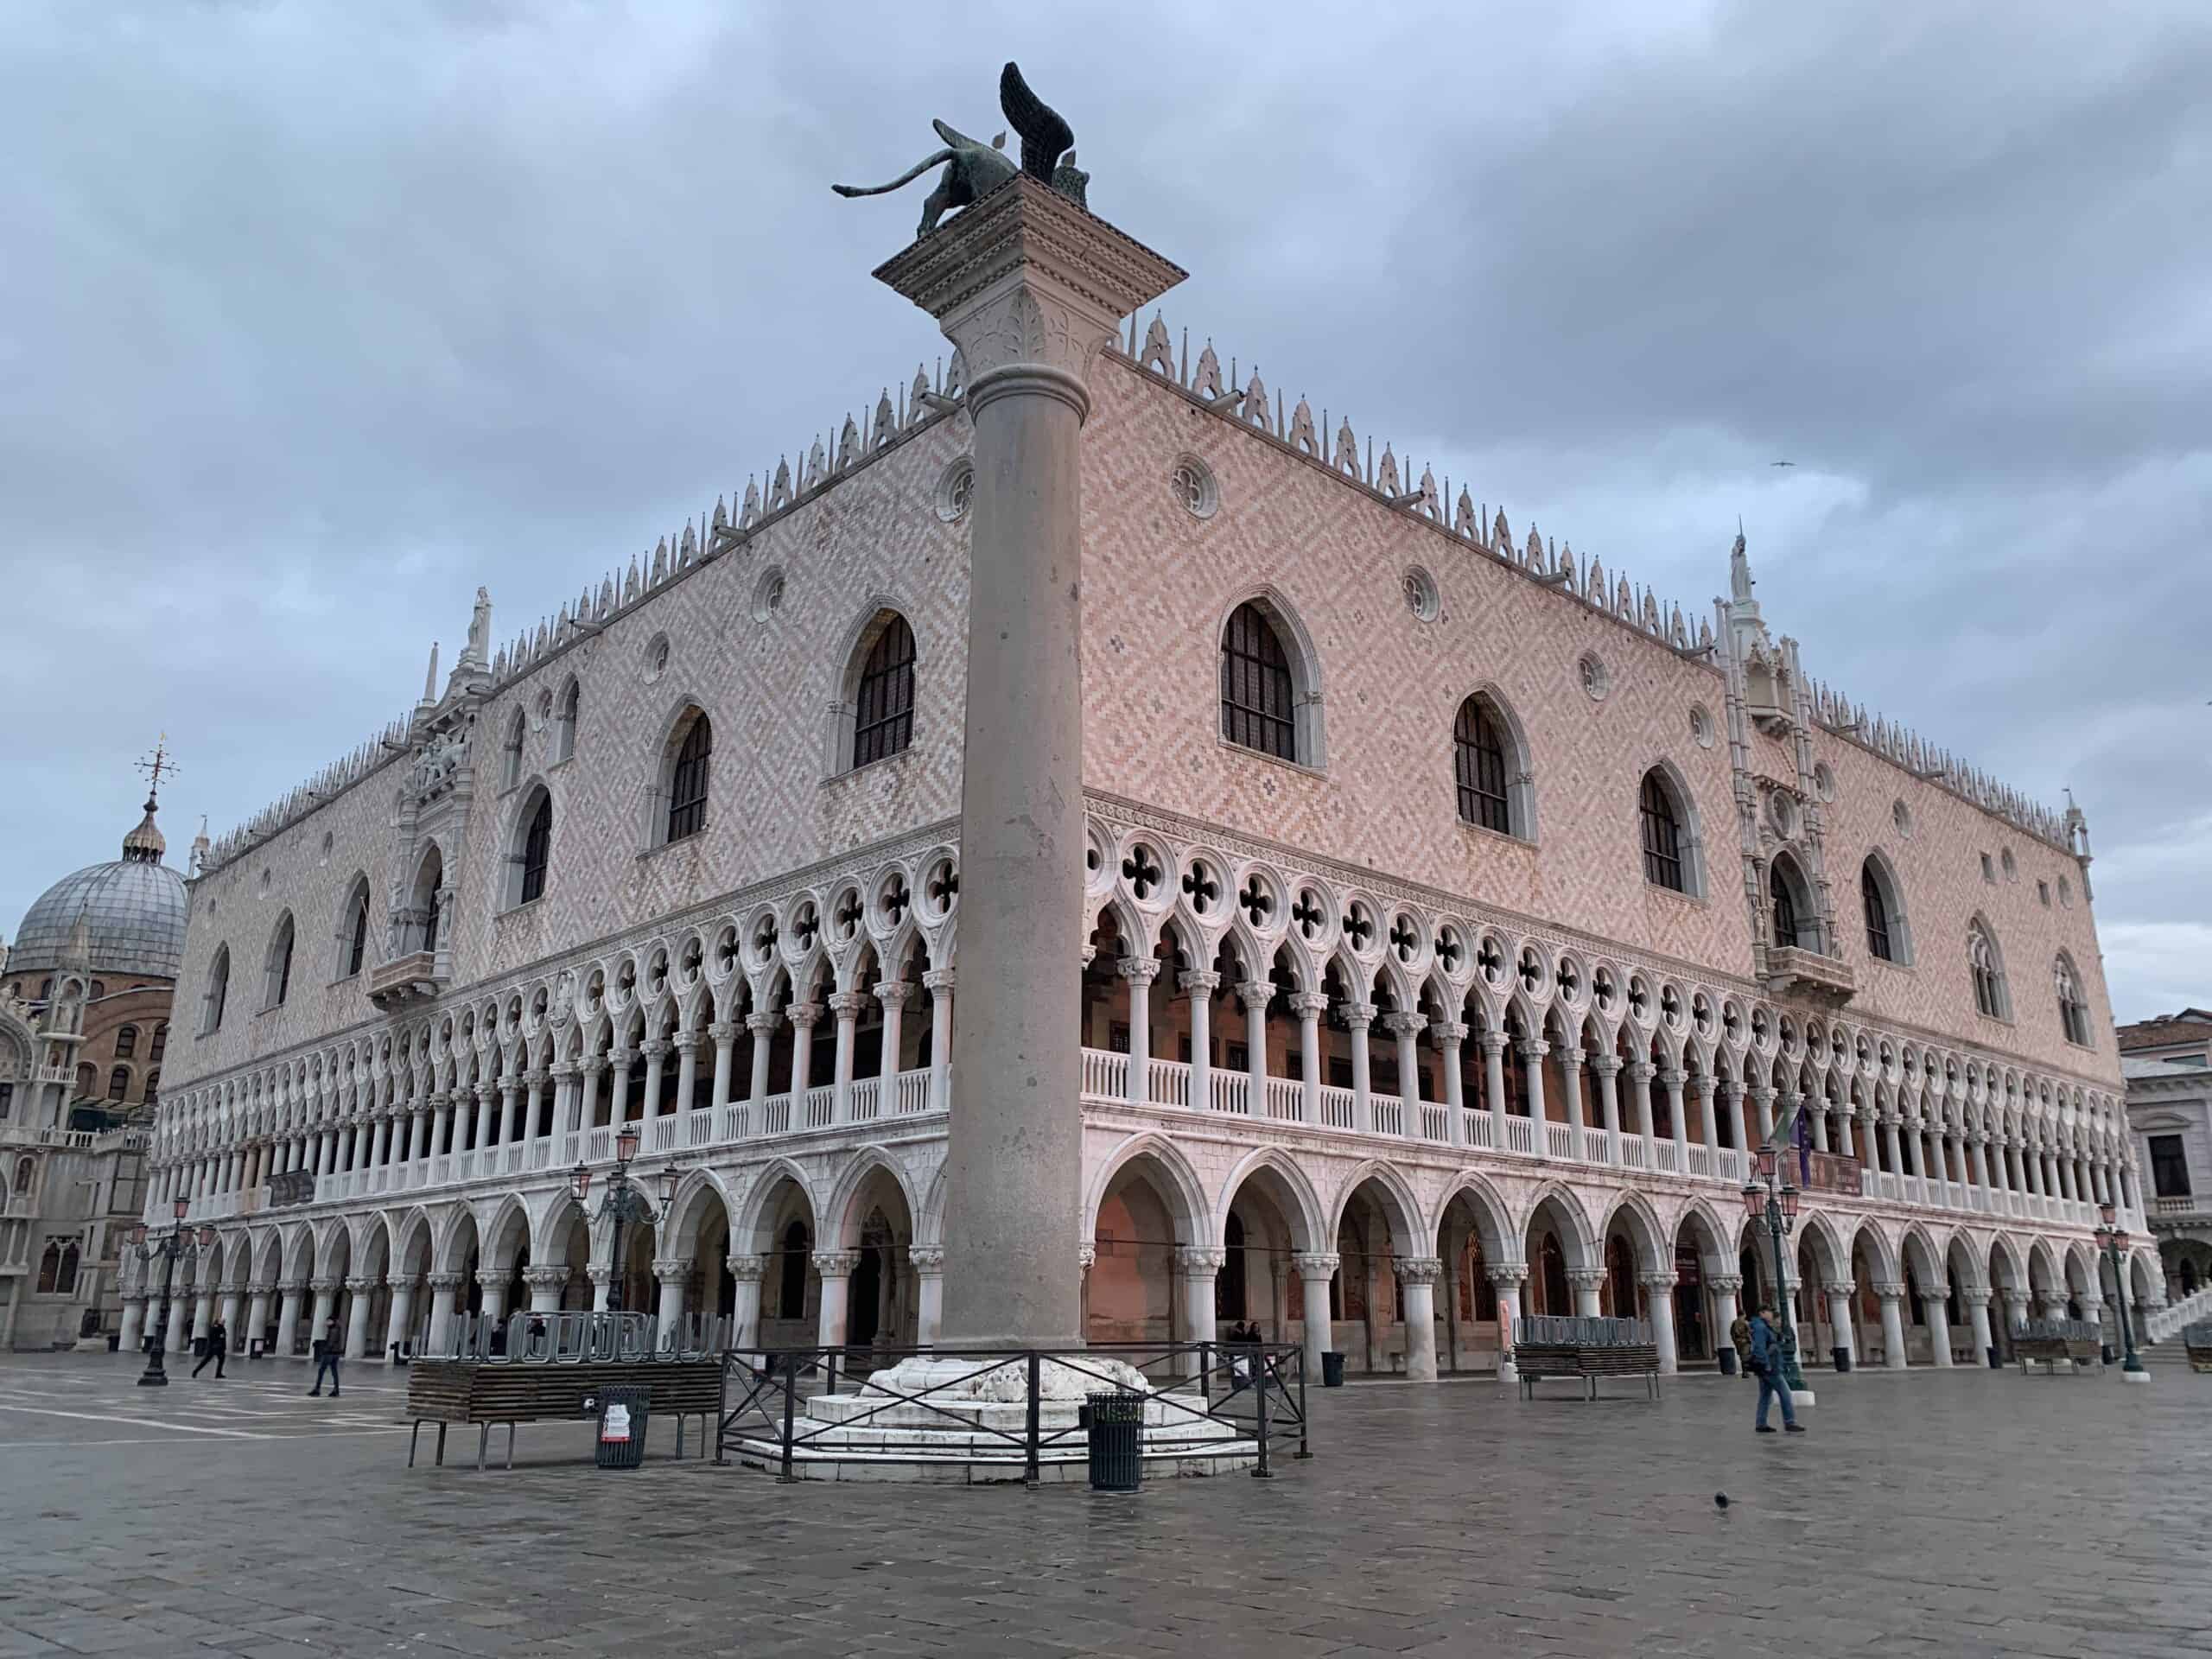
1824 782
656 657
1700 726
1901 815
768 594
955 488
1193 486
1421 597
1596 678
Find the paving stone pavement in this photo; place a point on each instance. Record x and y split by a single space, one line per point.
1953 1514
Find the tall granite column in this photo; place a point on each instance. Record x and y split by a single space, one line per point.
1030 287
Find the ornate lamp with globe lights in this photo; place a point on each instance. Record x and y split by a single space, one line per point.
1772 1195
2111 1238
625 1201
167 1245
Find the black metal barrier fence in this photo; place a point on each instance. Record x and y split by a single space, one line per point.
1256 1390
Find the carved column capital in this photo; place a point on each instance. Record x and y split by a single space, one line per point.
930 1258
1199 1259
1315 1264
747 1269
837 1264
1419 1270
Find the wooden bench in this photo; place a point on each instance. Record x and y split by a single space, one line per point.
2073 1351
446 1391
1586 1361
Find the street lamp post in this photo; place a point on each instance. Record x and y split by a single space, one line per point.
2112 1237
1772 1195
167 1245
625 1203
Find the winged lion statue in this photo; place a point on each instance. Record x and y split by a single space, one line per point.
973 170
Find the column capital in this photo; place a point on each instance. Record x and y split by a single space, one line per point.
1315 1264
1889 1290
1255 993
930 1258
448 1281
671 1267
1728 1284
1138 971
722 1031
938 982
761 1023
1359 1016
1640 1070
268 1287
1199 980
684 1042
361 1284
490 1279
1760 1092
804 1015
895 994
1605 1065
1503 1274
1199 1259
561 1070
599 1272
837 1264
1405 1025
1535 1048
1705 1085
1420 1269
1086 1254
325 1286
846 1005
620 1057
593 1065
1449 1033
654 1048
1306 1005
1663 1279
746 1270
545 1277
1586 1278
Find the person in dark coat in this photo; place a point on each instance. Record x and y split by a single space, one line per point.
328 1348
1766 1365
219 1342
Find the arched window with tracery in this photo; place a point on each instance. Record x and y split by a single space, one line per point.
1479 751
2073 1007
218 991
537 850
511 752
1258 693
277 983
1986 969
883 702
688 781
564 720
353 930
1877 906
1784 908
1668 859
429 882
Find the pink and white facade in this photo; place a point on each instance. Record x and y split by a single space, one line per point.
1368 1055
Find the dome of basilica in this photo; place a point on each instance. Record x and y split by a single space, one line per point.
134 908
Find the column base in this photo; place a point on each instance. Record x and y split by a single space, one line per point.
2134 1376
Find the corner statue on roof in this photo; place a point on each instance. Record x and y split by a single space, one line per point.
972 171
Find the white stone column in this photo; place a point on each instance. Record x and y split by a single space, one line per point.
443 1286
1608 1067
134 1326
510 1117
356 1317
1493 1044
1404 1028
939 982
203 1312
764 1025
1448 1035
1892 1295
1511 1280
674 1274
1977 1300
1763 1110
256 1314
1659 1289
1315 1269
1309 1007
619 1061
687 1071
928 1262
1725 1288
1199 987
1197 1269
1358 1016
836 1268
893 995
723 1033
1639 1093
326 1301
491 1296
1418 1276
545 1285
602 1285
1708 1121
288 1315
1841 1321
1532 1089
745 1304
804 1017
845 1009
655 1049
1141 971
1586 1283
1935 1297
1030 288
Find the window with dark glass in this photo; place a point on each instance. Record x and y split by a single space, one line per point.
2169 1167
161 1043
2073 1007
430 917
119 1083
883 719
357 935
1662 835
687 787
1786 908
1878 914
218 990
1257 698
153 1085
126 1042
1478 764
1988 982
536 849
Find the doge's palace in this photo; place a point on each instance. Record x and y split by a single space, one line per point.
1444 917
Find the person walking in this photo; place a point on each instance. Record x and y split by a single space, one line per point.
219 1341
328 1348
1739 1334
1766 1365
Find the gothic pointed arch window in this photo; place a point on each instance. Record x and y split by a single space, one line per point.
2073 1006
690 771
1876 903
1259 694
429 884
1667 830
536 850
564 720
1784 908
511 751
883 699
218 992
1489 769
1986 968
353 930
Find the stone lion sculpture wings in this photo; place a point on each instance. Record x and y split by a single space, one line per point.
973 170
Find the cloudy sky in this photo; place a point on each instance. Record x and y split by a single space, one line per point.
313 318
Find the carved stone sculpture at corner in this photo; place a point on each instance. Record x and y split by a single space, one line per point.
973 170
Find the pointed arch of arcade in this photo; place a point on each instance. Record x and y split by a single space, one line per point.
1179 1185
842 1216
1287 1187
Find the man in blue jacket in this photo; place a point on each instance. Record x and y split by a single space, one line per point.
1766 1364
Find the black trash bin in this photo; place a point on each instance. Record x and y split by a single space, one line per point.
1332 1370
1996 1359
620 1434
1841 1356
1115 1423
1727 1358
